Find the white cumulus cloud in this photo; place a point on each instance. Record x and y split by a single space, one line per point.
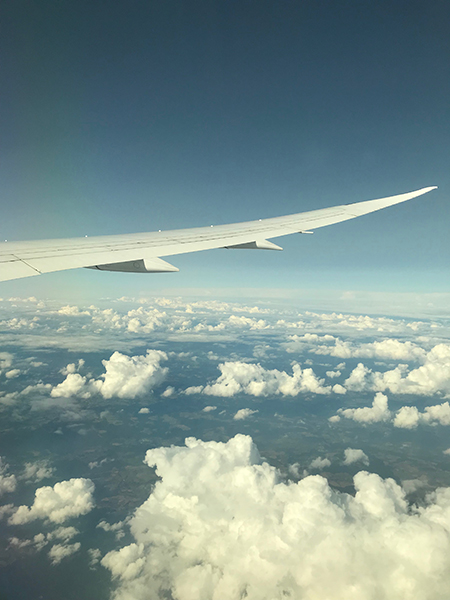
354 455
131 376
432 377
244 413
220 524
124 377
409 417
319 463
376 413
240 377
65 500
60 551
8 482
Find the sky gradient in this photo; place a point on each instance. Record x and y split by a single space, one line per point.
155 115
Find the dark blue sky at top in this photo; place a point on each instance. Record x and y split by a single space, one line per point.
134 116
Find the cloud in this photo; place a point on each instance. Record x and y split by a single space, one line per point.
144 411
433 377
353 455
6 359
168 392
73 385
12 374
252 379
244 413
124 377
409 417
319 463
60 551
8 483
65 500
117 528
73 367
126 563
131 376
209 408
377 413
222 524
63 533
37 471
388 349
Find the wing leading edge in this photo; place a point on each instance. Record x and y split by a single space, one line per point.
142 252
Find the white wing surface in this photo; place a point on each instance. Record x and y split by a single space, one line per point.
142 252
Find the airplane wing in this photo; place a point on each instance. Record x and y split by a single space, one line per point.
142 252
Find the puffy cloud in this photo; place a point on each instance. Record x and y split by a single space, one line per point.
409 417
333 374
353 455
221 524
240 377
432 377
168 392
65 500
124 377
74 384
8 483
389 349
339 389
63 533
144 411
319 463
73 367
6 509
131 376
126 563
94 556
6 359
376 413
357 381
12 374
37 471
209 408
244 413
60 551
117 528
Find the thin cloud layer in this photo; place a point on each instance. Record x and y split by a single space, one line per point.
222 525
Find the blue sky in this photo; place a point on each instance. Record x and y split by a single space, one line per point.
152 115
